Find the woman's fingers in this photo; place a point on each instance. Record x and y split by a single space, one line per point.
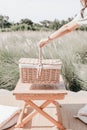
42 43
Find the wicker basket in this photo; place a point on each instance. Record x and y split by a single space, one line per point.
38 71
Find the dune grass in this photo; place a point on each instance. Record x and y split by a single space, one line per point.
71 49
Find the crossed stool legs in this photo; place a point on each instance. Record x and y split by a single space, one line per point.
38 109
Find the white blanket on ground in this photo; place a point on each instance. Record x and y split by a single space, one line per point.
8 116
82 114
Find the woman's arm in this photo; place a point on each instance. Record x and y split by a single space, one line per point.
67 28
60 32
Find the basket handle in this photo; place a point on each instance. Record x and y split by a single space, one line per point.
40 63
40 56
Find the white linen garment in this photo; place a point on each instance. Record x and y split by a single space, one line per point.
79 20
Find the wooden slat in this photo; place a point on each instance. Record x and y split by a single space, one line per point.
40 96
26 87
23 92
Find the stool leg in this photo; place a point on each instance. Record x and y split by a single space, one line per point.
58 111
19 122
46 115
31 115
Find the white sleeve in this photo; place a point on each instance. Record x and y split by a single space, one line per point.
81 21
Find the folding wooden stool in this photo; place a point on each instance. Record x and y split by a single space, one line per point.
23 92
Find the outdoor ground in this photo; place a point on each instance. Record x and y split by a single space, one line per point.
69 107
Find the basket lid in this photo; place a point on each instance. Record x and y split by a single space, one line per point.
36 61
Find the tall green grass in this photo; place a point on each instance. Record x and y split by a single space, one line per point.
71 49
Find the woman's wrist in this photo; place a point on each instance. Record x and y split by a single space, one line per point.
49 38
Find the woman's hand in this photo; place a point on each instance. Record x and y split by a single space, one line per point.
43 42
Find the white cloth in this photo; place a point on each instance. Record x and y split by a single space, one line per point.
79 20
83 111
82 114
8 116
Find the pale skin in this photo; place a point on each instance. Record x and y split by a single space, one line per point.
65 29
